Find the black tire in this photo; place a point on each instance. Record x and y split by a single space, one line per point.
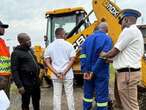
142 98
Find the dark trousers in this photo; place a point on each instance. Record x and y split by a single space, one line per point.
7 85
34 93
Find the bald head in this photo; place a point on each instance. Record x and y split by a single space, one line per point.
103 26
24 39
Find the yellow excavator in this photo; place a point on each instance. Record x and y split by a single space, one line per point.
76 23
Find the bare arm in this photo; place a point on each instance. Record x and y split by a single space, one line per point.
112 53
48 63
72 59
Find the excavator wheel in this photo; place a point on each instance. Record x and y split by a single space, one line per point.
142 97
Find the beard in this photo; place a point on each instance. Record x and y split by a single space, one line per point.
28 46
1 34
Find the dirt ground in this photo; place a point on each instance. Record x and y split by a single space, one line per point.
47 96
46 99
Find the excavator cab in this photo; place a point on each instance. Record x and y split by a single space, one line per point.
66 18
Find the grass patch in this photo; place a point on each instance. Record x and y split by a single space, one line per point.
13 88
112 75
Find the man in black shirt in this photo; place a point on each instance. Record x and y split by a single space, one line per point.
25 72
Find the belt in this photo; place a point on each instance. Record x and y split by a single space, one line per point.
128 69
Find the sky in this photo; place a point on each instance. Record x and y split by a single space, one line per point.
29 15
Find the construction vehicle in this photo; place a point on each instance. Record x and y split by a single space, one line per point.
76 23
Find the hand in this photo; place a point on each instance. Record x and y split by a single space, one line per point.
62 76
21 90
109 61
88 76
59 75
102 54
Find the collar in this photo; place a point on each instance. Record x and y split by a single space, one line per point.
22 48
99 31
133 25
59 39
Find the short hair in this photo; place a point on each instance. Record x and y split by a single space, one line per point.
58 30
21 37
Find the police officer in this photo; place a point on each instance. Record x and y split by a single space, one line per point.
127 53
96 69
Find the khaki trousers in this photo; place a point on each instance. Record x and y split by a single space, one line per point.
126 90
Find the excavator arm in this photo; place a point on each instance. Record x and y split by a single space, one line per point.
104 10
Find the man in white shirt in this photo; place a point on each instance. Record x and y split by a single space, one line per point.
127 54
59 57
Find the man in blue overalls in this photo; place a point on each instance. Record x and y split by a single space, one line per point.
96 69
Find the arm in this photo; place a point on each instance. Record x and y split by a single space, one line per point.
72 55
124 39
83 57
39 63
112 53
108 49
48 60
14 69
72 59
48 64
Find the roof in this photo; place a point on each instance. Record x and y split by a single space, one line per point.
64 10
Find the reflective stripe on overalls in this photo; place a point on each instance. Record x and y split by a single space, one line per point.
103 104
83 56
87 100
